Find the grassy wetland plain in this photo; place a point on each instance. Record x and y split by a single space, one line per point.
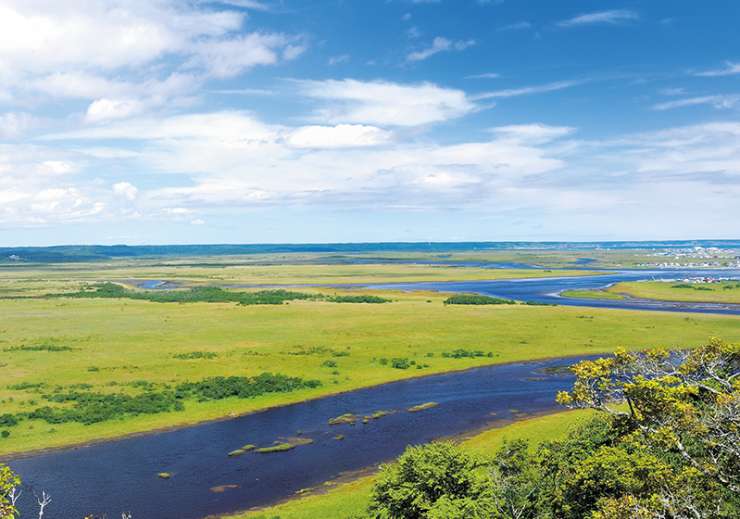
141 357
88 354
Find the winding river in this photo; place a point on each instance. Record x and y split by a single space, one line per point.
122 475
108 478
548 290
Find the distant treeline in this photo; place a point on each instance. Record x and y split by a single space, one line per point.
75 253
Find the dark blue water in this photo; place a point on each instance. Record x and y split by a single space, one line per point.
547 290
109 478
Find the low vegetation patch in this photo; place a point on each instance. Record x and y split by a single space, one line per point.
358 299
288 445
54 348
218 388
462 353
345 419
77 403
192 295
194 355
422 407
476 299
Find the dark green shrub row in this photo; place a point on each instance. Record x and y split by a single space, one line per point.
193 295
40 347
90 408
8 420
218 388
358 299
461 353
474 299
196 355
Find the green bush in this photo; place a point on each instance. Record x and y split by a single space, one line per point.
475 299
439 480
401 363
218 388
192 295
358 299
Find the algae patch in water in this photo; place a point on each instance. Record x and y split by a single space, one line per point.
287 445
422 407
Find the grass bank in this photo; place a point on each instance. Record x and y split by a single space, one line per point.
723 292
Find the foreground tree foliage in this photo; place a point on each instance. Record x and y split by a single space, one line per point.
665 444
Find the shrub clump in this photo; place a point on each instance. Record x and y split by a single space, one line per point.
218 388
462 353
475 299
193 355
192 295
358 299
89 408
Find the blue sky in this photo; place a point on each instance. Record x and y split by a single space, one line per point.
242 121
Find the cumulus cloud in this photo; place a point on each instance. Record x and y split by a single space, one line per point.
385 103
126 190
83 48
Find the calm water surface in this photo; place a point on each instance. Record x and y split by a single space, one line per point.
547 290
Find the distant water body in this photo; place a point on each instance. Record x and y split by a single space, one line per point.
97 252
548 290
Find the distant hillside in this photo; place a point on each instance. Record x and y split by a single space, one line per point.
78 253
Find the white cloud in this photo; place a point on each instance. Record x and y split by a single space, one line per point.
124 53
537 89
15 124
485 75
231 56
439 44
385 103
730 69
96 33
532 133
720 102
106 109
126 190
340 136
611 17
247 4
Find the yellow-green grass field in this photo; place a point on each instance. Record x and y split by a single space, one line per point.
351 498
722 292
69 277
123 341
591 294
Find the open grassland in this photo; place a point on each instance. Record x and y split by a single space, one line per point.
123 346
591 294
348 499
722 292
